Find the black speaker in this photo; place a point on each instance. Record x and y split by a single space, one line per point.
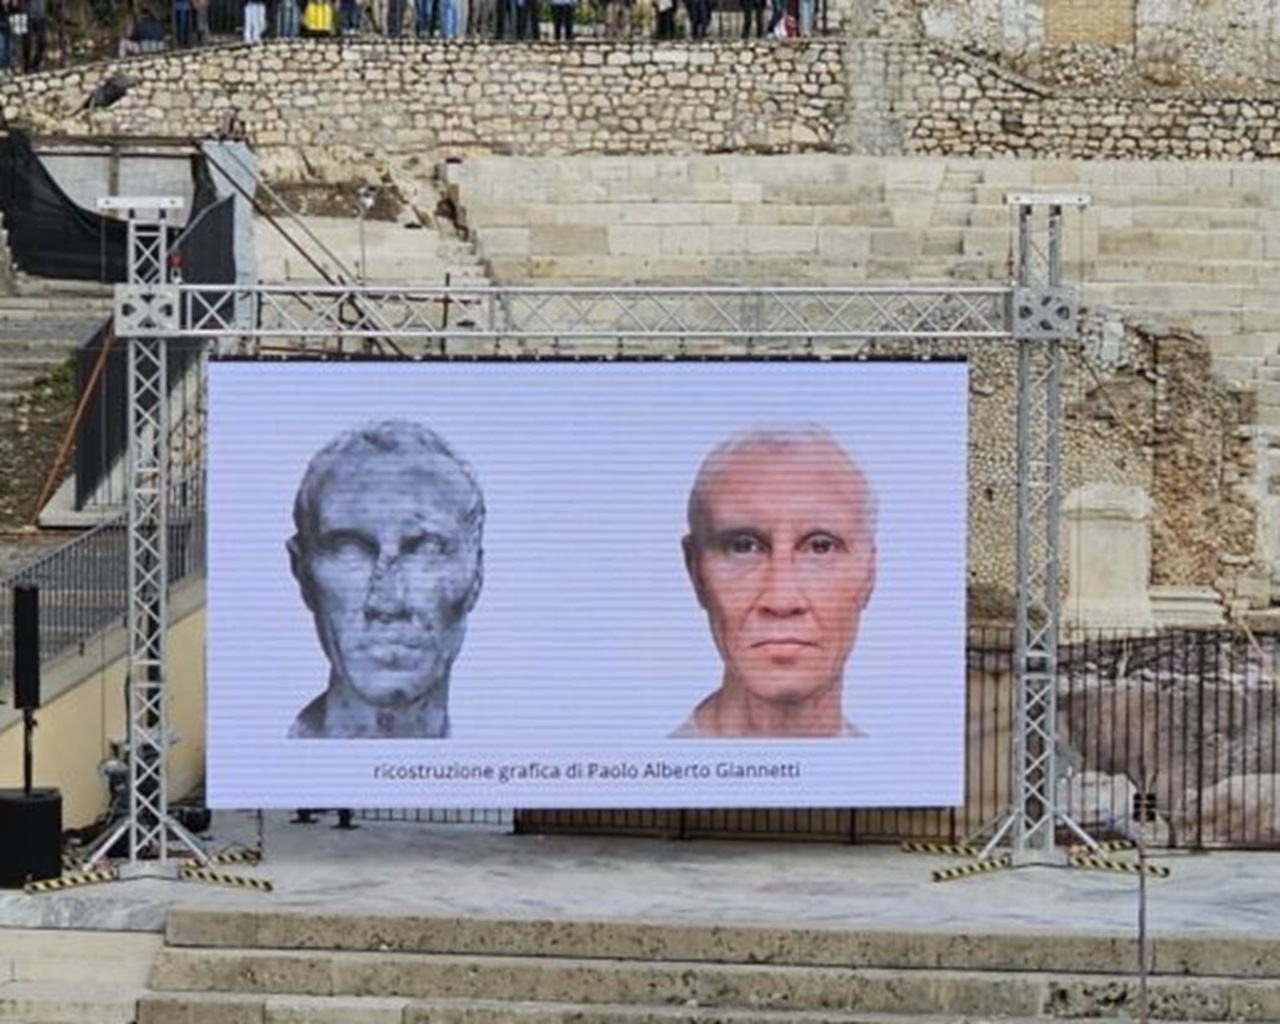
32 828
26 647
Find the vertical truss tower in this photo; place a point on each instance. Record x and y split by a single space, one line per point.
146 316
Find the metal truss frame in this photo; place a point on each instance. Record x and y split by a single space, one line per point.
1043 313
311 318
145 301
1035 310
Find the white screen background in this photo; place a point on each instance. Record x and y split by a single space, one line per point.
587 645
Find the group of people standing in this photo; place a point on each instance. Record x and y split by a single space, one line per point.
519 19
453 19
288 19
24 30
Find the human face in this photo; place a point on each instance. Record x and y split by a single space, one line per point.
390 573
784 565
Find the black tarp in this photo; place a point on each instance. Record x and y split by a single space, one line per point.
49 235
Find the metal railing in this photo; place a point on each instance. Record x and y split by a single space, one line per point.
1176 732
485 20
84 586
1182 724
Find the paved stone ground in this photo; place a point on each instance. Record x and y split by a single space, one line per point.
487 871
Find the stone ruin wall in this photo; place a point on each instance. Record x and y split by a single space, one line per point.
1149 414
353 100
1163 41
863 96
1140 408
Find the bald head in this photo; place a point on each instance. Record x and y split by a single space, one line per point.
401 440
768 445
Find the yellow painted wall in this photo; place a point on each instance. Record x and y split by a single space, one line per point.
1090 22
83 711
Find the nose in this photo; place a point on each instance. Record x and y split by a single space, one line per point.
386 595
781 593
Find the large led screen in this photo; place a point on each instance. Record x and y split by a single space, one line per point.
586 584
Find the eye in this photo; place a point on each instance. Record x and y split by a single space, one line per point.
743 544
430 544
823 544
347 544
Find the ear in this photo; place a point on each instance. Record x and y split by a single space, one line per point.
298 566
477 581
871 577
690 549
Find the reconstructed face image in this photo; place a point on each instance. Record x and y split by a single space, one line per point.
783 559
390 570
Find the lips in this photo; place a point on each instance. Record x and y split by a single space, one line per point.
392 650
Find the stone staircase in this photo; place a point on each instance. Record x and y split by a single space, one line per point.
271 966
812 220
40 329
73 977
1175 245
422 248
395 253
41 326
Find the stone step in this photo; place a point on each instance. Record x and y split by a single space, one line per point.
219 1008
1235 368
685 983
644 211
67 1001
42 342
759 183
28 365
27 286
1132 195
68 302
1139 194
280 929
406 273
1173 268
939 241
74 976
1197 243
1267 416
951 217
1213 218
69 318
43 954
1158 296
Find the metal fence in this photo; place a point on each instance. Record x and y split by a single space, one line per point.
1176 731
84 586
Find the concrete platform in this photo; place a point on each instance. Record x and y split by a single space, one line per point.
406 867
404 923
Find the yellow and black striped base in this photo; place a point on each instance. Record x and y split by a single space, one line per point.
195 874
1102 846
71 881
978 867
1129 867
950 849
236 857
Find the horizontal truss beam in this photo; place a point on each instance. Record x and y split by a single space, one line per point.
374 314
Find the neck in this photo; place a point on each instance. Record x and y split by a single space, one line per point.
733 710
346 715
